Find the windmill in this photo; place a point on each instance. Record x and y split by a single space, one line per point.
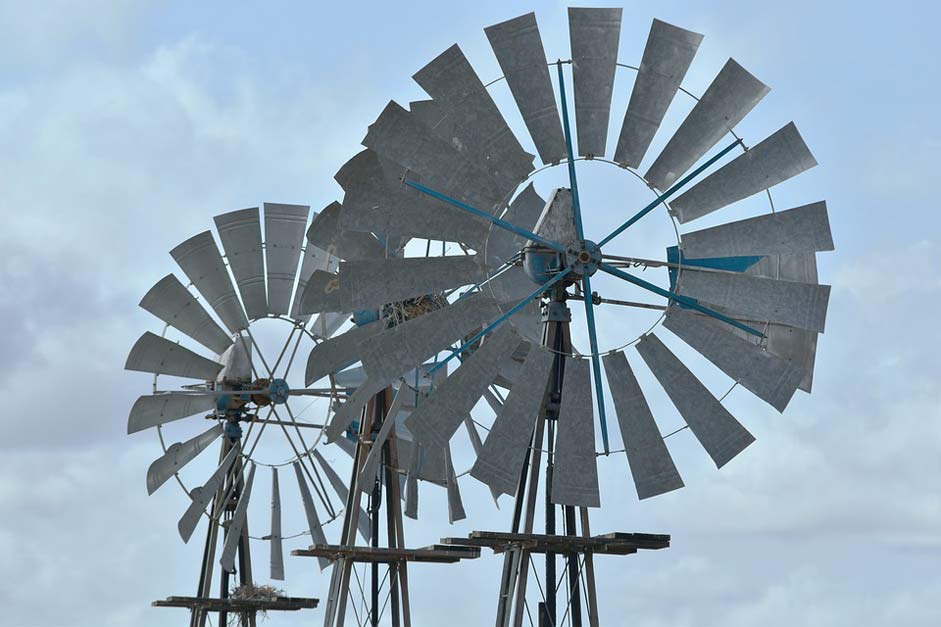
497 316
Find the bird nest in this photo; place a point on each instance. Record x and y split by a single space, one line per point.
404 310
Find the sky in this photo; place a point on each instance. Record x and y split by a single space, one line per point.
128 125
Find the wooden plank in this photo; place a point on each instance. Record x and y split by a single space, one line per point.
281 604
388 555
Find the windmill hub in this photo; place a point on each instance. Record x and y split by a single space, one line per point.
278 391
584 258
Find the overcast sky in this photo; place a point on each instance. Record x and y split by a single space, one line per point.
126 126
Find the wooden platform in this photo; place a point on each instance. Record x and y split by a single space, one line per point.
433 554
606 544
208 604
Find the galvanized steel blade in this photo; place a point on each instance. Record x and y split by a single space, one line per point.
240 232
178 455
455 503
733 93
473 121
343 492
411 485
327 234
717 430
781 156
152 353
284 237
326 324
519 51
313 520
170 301
802 305
351 410
371 466
313 259
575 474
339 352
667 57
594 36
157 409
477 444
439 415
500 461
237 525
652 467
322 294
804 229
203 495
523 212
277 549
200 260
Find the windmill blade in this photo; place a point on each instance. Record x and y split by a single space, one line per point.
313 520
476 122
436 419
240 232
801 305
557 221
340 488
652 467
202 495
152 353
352 408
765 375
781 156
400 137
804 229
667 57
594 35
729 98
500 461
455 504
371 465
170 301
411 486
477 444
284 236
322 293
370 283
237 525
523 212
159 409
518 47
201 262
326 234
339 352
575 474
717 430
277 550
313 259
178 455
377 201
326 324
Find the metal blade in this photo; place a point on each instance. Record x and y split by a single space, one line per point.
237 525
476 124
240 232
400 137
667 56
436 418
314 259
178 455
523 212
411 485
201 262
277 550
729 98
343 492
203 495
152 353
500 462
339 352
377 201
717 430
779 157
594 36
371 466
455 504
352 408
326 324
557 221
159 409
322 293
518 48
170 301
474 435
326 234
284 236
313 520
804 229
801 305
652 467
575 475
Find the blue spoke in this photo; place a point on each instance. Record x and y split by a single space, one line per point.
683 300
662 197
503 224
493 325
595 362
573 183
